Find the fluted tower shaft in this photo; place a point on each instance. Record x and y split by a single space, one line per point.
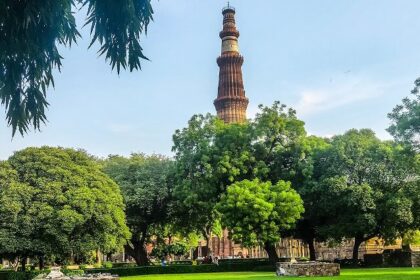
231 102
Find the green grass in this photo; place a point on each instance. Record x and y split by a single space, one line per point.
346 274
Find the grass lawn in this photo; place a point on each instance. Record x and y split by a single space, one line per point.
346 274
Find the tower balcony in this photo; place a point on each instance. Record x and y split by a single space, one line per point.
228 9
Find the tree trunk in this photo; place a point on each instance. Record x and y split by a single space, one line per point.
23 263
312 252
138 252
271 252
41 262
98 256
207 236
357 241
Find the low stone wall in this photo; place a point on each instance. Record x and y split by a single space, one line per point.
308 269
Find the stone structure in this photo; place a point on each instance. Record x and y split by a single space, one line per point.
231 102
56 274
307 269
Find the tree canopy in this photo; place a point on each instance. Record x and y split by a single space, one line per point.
147 189
405 118
211 155
56 202
370 185
31 33
256 212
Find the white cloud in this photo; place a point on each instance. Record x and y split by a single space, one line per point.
344 91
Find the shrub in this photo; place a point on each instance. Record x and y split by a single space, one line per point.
123 264
21 275
258 261
181 263
349 263
107 265
73 272
265 268
180 269
83 266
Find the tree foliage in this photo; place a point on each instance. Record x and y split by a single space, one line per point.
405 118
147 187
31 33
256 212
370 185
211 155
57 202
163 250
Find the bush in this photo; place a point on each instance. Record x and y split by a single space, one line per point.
253 262
180 269
181 263
373 260
21 275
83 266
349 263
107 265
265 268
123 264
73 272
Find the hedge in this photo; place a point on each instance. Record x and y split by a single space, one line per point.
258 261
21 275
181 269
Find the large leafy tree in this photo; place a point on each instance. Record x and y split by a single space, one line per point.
57 202
405 126
211 155
31 33
308 151
371 186
256 212
146 184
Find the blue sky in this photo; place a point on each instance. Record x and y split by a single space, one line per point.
340 64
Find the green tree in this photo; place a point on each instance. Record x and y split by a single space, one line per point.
283 151
370 186
146 185
307 152
31 33
277 140
405 126
256 212
412 237
210 155
57 202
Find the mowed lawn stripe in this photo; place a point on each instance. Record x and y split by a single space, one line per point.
346 274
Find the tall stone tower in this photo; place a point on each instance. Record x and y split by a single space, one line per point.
231 102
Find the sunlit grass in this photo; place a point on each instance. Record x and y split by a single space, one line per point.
346 274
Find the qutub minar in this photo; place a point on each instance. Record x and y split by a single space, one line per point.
231 102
